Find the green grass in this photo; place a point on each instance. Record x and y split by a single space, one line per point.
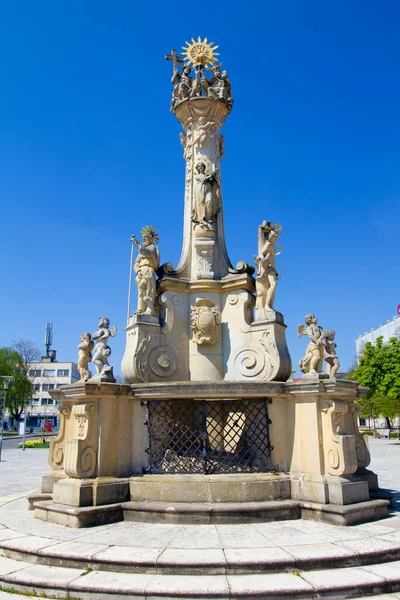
32 594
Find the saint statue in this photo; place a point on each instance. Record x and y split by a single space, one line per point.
206 196
184 86
219 86
146 265
314 357
267 275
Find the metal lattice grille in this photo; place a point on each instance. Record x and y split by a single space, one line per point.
199 436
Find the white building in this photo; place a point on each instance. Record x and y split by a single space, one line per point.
46 376
388 330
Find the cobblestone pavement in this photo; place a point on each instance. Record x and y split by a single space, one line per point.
21 470
385 461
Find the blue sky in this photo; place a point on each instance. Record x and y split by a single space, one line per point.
89 153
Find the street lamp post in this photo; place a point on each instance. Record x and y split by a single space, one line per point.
6 382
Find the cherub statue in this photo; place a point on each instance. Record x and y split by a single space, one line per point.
267 275
201 130
102 351
332 361
146 265
206 197
85 355
313 359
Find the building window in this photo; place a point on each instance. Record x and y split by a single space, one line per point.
35 401
35 373
63 373
46 401
49 372
47 386
36 387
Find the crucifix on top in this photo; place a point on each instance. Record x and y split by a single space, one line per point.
199 55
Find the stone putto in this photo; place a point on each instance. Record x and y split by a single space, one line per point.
313 359
146 265
332 361
85 355
102 351
267 275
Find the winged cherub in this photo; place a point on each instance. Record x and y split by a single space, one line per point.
102 351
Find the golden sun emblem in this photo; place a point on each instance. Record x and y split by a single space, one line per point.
201 53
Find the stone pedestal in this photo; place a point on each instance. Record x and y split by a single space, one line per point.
301 454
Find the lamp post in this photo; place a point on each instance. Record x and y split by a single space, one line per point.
6 382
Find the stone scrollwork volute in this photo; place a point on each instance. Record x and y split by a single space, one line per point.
56 454
362 452
80 453
154 362
339 448
206 322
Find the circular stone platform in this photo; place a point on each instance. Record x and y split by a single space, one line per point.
289 559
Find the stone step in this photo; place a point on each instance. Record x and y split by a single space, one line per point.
252 512
201 561
61 582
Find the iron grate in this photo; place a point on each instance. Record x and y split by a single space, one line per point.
204 436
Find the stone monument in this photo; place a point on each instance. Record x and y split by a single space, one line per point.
207 428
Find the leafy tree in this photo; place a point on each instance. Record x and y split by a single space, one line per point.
20 389
379 370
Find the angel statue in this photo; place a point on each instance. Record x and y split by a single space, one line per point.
85 356
332 361
314 357
146 265
267 275
102 351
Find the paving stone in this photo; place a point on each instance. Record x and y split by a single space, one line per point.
28 543
242 536
192 557
44 576
74 550
390 571
110 582
215 586
243 557
318 551
344 578
370 545
8 565
279 583
131 556
8 534
196 536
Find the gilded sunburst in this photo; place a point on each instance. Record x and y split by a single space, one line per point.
200 53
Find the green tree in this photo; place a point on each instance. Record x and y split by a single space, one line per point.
20 389
379 370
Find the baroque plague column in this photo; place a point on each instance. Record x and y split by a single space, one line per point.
207 428
204 307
